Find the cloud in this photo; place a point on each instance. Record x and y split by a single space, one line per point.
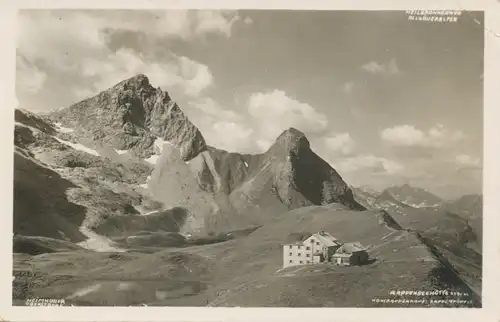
340 144
215 21
189 76
409 136
195 76
274 112
183 24
425 158
222 128
58 38
467 161
76 45
264 145
68 34
269 114
390 68
370 163
211 108
82 93
453 175
231 136
29 78
348 87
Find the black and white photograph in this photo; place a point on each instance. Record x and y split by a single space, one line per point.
248 158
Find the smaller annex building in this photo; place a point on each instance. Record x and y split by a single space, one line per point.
322 247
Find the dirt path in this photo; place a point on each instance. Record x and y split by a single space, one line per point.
97 242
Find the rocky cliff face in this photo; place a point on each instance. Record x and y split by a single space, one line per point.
132 115
63 188
217 184
298 177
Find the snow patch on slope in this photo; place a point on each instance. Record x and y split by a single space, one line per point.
143 213
63 129
150 213
159 143
145 185
120 152
152 159
78 146
423 205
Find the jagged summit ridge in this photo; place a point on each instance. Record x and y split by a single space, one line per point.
138 81
132 115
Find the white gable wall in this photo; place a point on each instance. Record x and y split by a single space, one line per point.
315 243
303 253
296 254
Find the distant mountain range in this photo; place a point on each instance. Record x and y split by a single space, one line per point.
124 181
469 207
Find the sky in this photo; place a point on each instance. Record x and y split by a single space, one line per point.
384 100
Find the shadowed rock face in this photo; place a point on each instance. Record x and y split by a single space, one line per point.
41 207
30 119
131 116
296 175
229 188
309 175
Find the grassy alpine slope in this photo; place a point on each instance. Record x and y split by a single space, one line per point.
247 271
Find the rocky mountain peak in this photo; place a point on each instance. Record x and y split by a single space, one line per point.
292 135
137 82
131 116
291 141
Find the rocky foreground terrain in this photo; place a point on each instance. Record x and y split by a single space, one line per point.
120 201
